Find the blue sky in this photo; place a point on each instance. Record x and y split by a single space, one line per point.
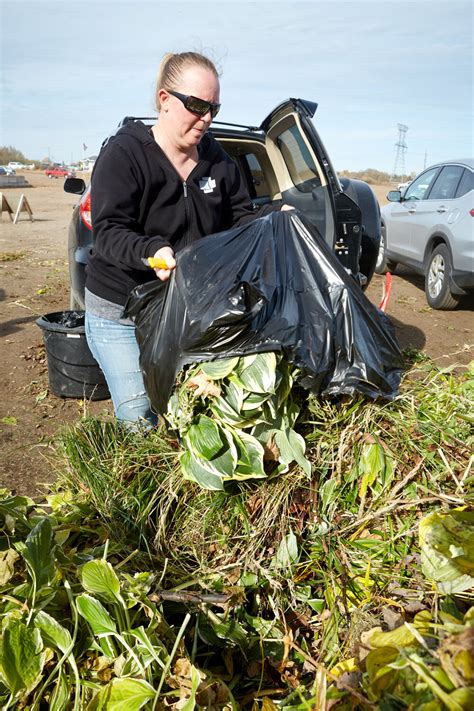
72 70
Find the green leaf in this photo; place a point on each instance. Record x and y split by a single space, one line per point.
462 698
124 695
53 634
38 554
221 409
447 550
204 438
399 637
259 376
378 669
194 471
62 693
98 577
253 401
234 395
7 565
292 448
22 657
95 614
250 456
371 464
219 369
287 553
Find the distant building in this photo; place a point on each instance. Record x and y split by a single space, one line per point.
87 163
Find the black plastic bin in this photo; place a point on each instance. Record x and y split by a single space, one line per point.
72 369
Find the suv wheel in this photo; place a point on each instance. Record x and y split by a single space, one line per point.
438 294
383 264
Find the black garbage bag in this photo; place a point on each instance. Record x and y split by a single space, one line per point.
271 285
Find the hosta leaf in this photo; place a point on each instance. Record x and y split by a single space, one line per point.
22 657
194 471
234 395
254 401
245 362
226 461
204 438
7 565
95 614
38 554
292 448
219 369
287 553
123 695
283 385
250 453
259 376
222 411
447 550
98 577
53 634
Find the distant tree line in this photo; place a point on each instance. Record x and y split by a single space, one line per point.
9 153
374 177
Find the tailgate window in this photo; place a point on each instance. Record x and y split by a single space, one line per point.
298 160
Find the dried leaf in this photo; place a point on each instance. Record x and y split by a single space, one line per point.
204 386
7 565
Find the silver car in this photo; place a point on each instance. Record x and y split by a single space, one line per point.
430 228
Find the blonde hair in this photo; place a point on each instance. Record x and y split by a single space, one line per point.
172 67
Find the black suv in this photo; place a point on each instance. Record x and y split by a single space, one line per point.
282 159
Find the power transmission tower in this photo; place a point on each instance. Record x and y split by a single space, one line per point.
401 149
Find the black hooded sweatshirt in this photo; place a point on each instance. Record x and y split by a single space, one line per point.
140 203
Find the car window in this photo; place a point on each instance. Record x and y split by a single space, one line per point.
445 185
466 184
298 159
419 187
259 181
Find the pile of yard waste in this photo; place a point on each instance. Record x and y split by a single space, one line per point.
268 549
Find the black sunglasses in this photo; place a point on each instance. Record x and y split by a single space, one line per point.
197 106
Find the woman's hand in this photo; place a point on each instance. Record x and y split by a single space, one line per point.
283 208
167 254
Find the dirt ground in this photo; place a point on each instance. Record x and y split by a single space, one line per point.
34 281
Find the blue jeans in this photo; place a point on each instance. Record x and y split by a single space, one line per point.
115 348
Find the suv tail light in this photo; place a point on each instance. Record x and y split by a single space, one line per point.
85 209
471 212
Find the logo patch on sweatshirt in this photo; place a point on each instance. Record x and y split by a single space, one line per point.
207 185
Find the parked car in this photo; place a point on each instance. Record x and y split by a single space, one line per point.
7 170
281 159
430 229
57 171
403 186
14 165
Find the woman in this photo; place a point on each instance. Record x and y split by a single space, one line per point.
154 191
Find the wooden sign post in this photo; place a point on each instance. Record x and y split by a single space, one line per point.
5 207
23 206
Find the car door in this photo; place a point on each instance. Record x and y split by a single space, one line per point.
406 214
436 212
301 164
